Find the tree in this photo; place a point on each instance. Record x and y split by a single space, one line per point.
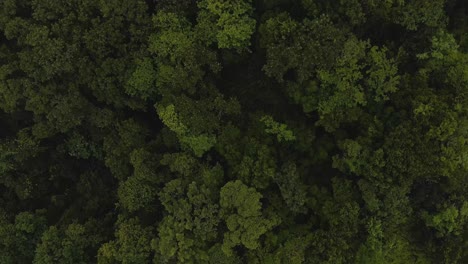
132 244
241 211
19 239
233 131
229 21
68 246
191 224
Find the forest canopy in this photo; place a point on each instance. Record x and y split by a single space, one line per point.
234 131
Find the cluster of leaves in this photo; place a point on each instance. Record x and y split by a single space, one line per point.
233 131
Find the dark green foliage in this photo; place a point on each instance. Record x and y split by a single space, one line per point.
19 239
241 210
132 244
68 246
234 131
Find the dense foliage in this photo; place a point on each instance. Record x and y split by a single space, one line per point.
234 131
